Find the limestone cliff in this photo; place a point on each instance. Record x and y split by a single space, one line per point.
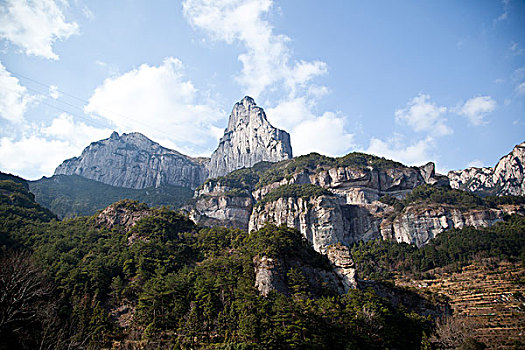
221 210
506 178
319 219
418 224
248 139
364 184
134 161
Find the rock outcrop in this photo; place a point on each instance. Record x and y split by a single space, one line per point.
420 223
343 265
248 139
125 213
221 210
134 161
319 219
506 178
271 273
363 185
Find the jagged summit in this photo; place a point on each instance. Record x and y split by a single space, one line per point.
248 139
134 161
506 178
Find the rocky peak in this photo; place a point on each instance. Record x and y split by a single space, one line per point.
242 111
134 161
248 139
506 178
124 213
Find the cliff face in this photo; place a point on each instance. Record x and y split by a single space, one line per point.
221 210
319 219
134 161
349 214
249 139
419 224
363 185
506 178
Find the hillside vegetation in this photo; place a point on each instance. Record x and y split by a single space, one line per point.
165 283
72 195
379 259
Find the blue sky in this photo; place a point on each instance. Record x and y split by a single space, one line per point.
414 81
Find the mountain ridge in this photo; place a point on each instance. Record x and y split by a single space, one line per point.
134 161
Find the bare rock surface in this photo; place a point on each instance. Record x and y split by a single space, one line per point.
248 139
125 213
134 161
506 178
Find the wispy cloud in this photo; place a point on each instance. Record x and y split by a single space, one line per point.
267 60
506 8
34 25
520 89
423 115
477 108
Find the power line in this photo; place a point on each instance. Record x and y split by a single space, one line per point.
136 120
48 86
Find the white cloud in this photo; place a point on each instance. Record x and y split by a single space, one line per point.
424 116
14 98
266 61
159 102
290 112
42 149
34 25
53 92
396 148
520 89
476 109
476 163
77 134
505 13
324 134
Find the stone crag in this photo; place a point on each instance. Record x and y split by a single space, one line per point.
506 178
134 161
418 224
248 139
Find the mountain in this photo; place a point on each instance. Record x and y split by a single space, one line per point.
358 197
136 275
248 139
506 178
72 195
134 161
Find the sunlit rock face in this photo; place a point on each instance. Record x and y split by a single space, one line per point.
506 178
418 224
134 161
249 139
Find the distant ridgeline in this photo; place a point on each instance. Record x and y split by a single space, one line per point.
73 195
139 168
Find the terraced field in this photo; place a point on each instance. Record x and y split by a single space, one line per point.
490 294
